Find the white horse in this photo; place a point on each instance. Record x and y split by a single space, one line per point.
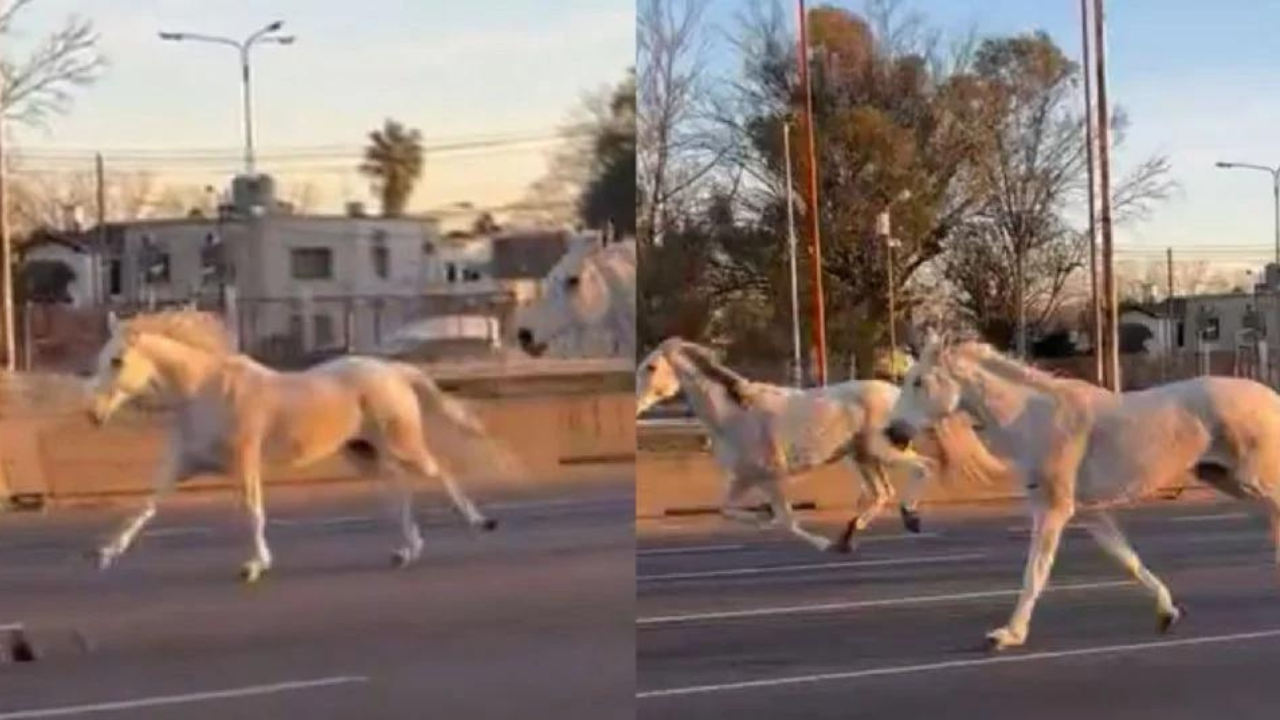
763 434
1082 452
591 288
233 414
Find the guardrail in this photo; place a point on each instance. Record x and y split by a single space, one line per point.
555 415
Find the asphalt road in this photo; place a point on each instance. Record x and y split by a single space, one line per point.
746 625
534 620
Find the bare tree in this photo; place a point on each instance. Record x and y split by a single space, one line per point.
41 83
675 150
1017 256
49 200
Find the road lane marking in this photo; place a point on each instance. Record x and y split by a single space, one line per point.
177 532
691 550
1210 518
11 627
955 664
862 604
696 549
164 700
324 522
736 572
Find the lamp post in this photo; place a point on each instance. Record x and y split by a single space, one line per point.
884 229
1275 192
263 35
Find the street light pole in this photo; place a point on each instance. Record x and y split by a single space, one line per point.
243 47
798 370
1275 192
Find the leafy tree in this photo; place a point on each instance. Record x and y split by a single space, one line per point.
1011 263
610 191
393 160
894 127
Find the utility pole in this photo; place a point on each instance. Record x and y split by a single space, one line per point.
6 251
798 371
1112 367
815 240
99 287
1095 299
1168 316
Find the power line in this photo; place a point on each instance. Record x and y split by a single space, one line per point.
313 152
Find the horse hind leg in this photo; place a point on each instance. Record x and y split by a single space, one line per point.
397 492
877 486
422 464
1102 526
782 512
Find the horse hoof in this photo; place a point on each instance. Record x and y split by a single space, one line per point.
911 520
101 558
252 573
1166 622
488 525
844 543
999 640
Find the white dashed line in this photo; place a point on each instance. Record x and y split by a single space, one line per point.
737 572
862 604
189 698
957 664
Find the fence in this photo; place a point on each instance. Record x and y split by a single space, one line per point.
283 332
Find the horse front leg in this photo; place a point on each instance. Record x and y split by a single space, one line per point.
1046 534
172 469
917 472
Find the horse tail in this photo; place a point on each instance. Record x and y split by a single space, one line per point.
432 397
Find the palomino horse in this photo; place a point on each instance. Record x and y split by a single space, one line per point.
1082 453
591 288
233 414
763 434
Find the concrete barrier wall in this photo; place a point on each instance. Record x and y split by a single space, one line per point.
555 420
675 474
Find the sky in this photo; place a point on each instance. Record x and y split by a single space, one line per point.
1200 83
457 71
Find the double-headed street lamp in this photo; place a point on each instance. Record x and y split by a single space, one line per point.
1275 191
264 35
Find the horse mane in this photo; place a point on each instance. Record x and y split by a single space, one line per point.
1010 369
193 328
735 386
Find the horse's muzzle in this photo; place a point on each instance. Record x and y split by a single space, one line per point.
899 435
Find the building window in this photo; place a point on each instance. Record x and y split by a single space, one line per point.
1209 331
1182 334
158 268
451 273
311 263
115 277
323 330
381 258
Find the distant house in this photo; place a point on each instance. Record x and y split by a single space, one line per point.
57 268
1145 329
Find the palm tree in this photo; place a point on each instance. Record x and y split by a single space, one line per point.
393 160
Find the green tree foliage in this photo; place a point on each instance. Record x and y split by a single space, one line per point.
610 191
393 160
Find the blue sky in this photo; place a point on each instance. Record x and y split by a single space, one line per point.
1200 83
453 69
